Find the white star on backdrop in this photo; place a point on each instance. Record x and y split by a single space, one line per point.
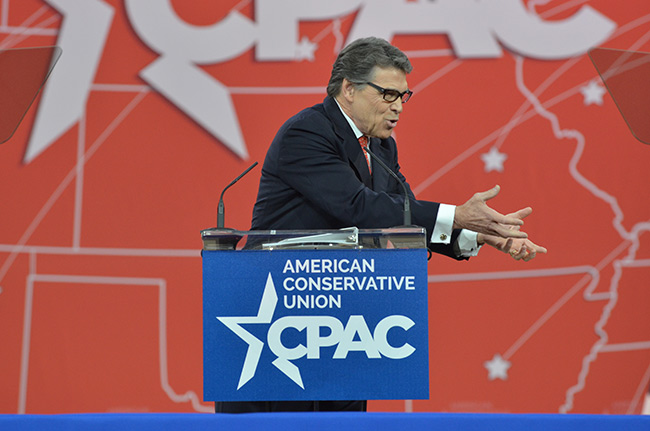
497 367
305 49
493 160
593 93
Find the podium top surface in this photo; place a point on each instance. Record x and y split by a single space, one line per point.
349 238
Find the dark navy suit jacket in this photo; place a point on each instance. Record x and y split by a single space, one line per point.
315 176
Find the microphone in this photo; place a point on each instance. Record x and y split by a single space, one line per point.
407 203
220 208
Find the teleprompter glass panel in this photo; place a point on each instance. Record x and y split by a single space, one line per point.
23 72
626 75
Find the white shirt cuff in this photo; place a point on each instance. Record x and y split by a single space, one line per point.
444 224
467 244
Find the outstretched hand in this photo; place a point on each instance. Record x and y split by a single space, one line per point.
477 216
519 248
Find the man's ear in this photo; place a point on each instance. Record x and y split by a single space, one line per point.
347 90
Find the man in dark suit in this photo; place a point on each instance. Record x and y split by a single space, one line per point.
317 175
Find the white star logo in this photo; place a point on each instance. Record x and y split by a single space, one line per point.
593 93
494 160
255 346
497 368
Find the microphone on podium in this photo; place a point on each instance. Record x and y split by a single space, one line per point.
220 208
407 203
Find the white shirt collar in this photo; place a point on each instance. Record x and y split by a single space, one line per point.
358 133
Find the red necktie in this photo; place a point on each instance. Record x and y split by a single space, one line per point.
363 141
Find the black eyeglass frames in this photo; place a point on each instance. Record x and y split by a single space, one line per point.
390 95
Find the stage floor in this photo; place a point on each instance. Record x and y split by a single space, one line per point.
324 421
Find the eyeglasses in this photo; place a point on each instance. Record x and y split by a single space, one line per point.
390 95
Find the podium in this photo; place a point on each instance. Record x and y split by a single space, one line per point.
315 315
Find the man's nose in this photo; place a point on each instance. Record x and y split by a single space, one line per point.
396 106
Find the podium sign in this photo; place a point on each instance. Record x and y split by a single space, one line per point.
315 324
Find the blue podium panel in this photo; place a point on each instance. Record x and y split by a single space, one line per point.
315 325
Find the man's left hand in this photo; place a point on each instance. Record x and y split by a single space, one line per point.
519 248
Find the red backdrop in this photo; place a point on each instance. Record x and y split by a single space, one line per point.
119 164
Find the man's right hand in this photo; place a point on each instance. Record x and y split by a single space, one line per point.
476 216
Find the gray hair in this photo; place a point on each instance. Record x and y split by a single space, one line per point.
357 62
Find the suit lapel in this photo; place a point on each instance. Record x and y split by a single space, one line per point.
380 177
358 160
351 145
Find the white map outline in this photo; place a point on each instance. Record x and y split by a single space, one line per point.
160 283
18 34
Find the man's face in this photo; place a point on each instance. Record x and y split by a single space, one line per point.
370 112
